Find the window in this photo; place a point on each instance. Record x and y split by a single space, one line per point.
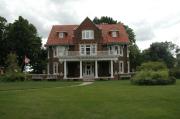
82 49
55 51
88 49
55 68
114 33
121 50
121 67
61 34
87 34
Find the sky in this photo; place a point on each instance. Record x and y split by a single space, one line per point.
151 20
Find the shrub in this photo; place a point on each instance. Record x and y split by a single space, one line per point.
13 77
175 72
153 73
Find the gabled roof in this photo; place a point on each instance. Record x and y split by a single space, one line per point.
107 38
53 38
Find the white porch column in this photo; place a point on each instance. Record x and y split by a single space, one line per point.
112 69
65 74
80 69
96 70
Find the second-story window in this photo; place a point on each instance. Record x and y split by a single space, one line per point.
87 34
55 52
61 34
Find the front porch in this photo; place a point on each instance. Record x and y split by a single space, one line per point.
88 69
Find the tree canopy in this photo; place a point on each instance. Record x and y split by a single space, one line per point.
21 38
160 51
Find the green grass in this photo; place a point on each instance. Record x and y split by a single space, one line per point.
101 100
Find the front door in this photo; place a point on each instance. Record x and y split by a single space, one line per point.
88 69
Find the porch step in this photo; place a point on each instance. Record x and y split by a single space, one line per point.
88 79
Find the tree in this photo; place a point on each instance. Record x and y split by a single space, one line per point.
3 51
12 63
160 51
104 19
23 40
41 63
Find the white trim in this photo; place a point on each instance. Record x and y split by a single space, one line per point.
87 34
128 51
83 49
47 68
65 70
121 67
128 67
112 76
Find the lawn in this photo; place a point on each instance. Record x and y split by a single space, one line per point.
100 100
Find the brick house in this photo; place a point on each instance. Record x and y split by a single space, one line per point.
88 51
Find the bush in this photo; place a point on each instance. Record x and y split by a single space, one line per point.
153 73
13 77
175 72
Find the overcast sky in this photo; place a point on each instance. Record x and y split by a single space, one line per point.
152 20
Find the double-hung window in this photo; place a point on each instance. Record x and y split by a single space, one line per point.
88 34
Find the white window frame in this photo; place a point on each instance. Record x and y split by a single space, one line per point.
114 34
87 34
55 67
93 49
61 34
121 67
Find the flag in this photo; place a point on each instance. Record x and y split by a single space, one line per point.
26 60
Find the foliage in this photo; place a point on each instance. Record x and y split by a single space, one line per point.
152 73
160 51
3 42
12 63
104 19
13 76
41 63
21 37
135 57
175 72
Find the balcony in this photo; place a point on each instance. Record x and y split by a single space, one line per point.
88 55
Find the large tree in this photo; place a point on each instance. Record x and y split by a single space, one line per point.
3 41
160 51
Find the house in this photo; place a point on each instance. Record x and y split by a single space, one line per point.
88 51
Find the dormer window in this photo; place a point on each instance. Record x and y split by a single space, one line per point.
114 33
87 34
61 34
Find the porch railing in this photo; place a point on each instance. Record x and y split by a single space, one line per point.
78 54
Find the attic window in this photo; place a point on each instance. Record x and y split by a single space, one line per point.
114 33
61 34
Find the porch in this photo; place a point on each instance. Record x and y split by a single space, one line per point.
88 69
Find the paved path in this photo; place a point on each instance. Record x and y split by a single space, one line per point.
82 84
